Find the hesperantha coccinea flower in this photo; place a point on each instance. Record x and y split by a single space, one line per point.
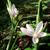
12 10
34 33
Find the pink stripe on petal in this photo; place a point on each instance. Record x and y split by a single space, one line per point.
39 27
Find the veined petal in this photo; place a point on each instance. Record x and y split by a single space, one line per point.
35 40
24 30
29 33
39 27
13 7
29 27
14 10
42 34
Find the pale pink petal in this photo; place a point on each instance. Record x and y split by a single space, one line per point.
14 10
39 27
29 33
42 34
24 30
30 30
29 27
35 40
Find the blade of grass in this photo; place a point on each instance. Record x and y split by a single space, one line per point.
13 44
9 43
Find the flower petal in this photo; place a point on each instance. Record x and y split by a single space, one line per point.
39 27
42 34
29 27
24 30
29 33
14 10
35 40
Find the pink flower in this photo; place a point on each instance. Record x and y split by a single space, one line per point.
12 10
34 33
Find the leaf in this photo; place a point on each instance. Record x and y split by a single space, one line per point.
28 49
22 34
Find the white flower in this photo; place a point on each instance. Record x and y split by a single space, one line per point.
12 10
36 34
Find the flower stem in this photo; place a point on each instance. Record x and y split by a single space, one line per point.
8 46
13 44
38 15
35 47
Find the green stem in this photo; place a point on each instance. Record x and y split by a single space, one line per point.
13 44
38 15
9 43
35 47
14 23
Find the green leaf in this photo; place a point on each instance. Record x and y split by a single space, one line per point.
22 34
28 49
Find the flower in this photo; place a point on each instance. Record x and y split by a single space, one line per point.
34 33
12 10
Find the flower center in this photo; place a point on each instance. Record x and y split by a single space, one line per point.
35 35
